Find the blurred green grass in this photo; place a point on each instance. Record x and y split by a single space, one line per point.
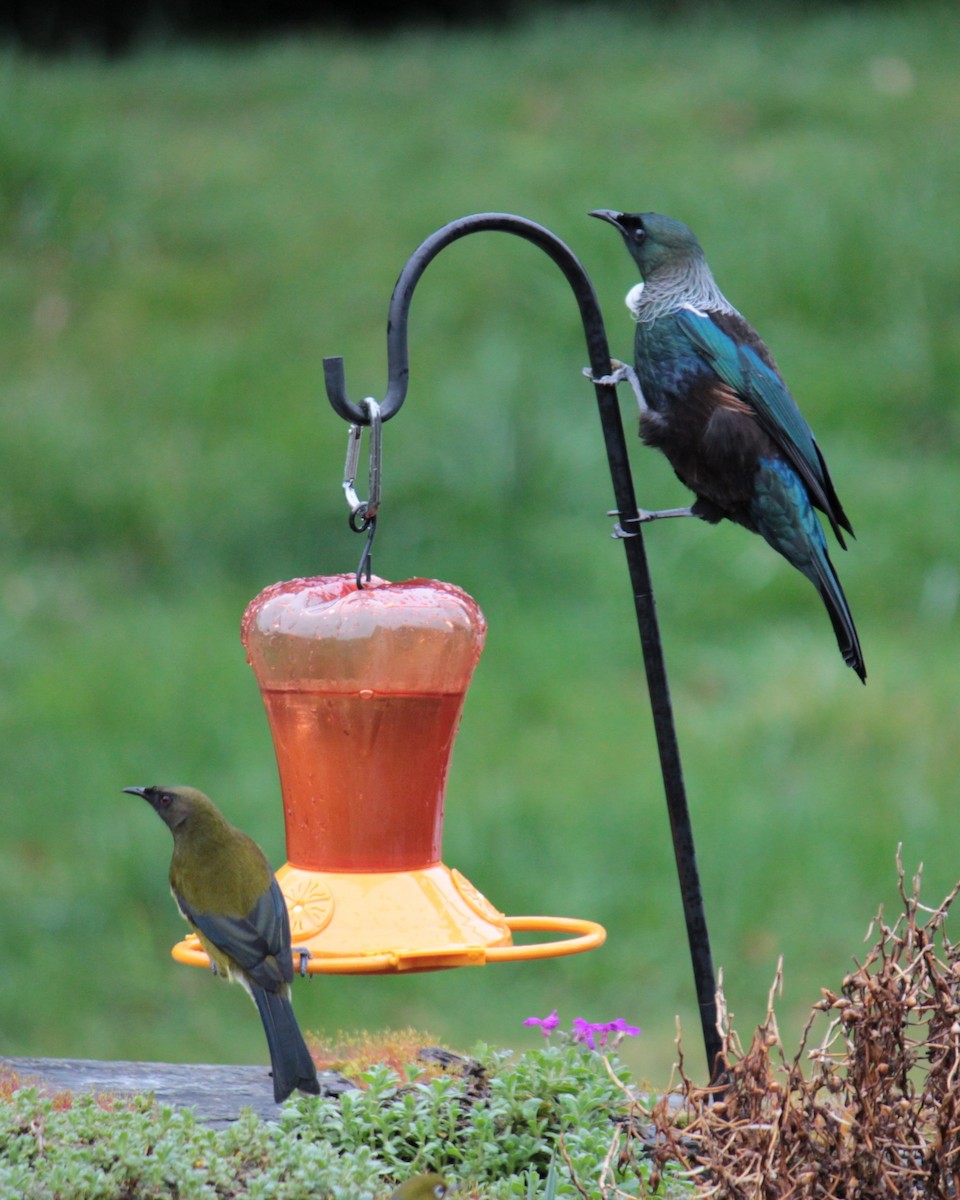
187 233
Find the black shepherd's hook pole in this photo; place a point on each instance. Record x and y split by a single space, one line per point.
398 373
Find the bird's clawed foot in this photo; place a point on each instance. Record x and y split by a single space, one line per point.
619 531
644 515
622 372
618 375
305 957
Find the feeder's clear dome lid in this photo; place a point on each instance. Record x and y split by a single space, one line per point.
420 634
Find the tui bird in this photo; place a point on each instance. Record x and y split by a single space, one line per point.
711 398
224 887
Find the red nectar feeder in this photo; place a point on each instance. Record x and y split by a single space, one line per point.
363 690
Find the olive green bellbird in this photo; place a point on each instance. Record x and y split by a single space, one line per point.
226 891
422 1187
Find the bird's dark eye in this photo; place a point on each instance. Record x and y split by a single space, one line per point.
165 799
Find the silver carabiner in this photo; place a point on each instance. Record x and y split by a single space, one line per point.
362 512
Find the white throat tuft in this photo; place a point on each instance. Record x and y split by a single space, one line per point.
632 299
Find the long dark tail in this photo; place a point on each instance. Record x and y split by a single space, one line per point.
782 513
289 1057
824 579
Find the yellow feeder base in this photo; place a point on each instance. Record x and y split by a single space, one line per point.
396 921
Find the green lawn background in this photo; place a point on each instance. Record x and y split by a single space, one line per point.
185 235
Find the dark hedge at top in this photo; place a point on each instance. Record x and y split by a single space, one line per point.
116 27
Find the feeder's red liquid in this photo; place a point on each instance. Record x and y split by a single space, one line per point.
363 776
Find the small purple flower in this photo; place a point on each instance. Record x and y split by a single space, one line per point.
547 1024
584 1031
620 1026
593 1032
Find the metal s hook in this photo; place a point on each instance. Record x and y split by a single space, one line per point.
363 513
363 566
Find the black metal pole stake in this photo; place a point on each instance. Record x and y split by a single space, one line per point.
398 374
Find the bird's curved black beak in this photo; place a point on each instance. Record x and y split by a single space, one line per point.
138 791
607 214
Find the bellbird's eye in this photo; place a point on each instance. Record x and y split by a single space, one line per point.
165 799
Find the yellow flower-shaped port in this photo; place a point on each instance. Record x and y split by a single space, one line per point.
310 903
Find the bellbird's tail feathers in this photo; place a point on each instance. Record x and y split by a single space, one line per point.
290 1059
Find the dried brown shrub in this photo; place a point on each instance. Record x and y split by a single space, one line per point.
872 1111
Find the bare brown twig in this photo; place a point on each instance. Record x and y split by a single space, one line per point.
872 1112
